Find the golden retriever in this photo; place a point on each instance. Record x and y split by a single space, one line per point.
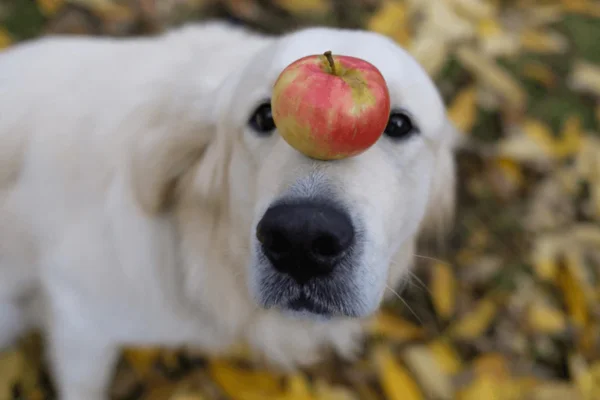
136 174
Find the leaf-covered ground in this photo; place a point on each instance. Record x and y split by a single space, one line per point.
510 309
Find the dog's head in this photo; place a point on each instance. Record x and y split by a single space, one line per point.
323 235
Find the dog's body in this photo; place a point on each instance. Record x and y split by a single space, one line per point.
130 190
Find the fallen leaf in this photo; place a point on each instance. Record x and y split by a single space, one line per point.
543 42
573 292
394 327
430 375
5 39
482 387
492 75
11 366
540 73
544 319
443 290
475 9
241 384
585 76
305 6
583 376
390 20
544 257
297 388
396 382
325 391
492 364
141 360
475 322
555 391
446 356
463 110
50 7
430 51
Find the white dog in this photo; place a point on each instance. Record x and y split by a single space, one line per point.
135 174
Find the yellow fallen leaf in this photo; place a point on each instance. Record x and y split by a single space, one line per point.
586 76
571 137
511 172
544 319
488 387
594 372
396 382
297 388
542 42
489 27
305 6
545 251
50 7
11 365
476 9
442 19
240 350
390 20
463 110
580 6
241 384
555 391
141 360
430 50
174 390
443 290
573 293
567 145
543 14
394 327
493 380
493 365
482 387
541 133
431 376
5 39
188 396
589 341
474 323
540 73
520 388
446 355
583 376
492 75
107 9
325 391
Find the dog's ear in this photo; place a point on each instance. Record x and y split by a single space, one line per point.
442 198
172 143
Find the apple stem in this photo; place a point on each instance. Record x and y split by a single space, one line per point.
329 57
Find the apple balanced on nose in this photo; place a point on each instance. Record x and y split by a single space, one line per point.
329 108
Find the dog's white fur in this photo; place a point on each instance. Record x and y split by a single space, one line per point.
130 187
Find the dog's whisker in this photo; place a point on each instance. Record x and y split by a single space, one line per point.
432 259
411 276
404 302
420 282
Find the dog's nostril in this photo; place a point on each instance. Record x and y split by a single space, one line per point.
277 243
326 246
305 240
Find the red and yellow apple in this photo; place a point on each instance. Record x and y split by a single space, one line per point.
329 108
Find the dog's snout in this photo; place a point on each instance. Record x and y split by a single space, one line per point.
305 240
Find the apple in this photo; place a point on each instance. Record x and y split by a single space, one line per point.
330 108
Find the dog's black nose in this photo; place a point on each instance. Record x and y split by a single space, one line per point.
305 240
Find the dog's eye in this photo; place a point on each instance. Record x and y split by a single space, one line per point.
261 120
400 126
